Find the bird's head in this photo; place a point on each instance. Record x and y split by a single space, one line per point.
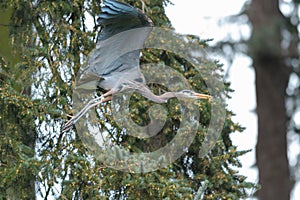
192 95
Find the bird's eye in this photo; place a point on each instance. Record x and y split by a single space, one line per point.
186 91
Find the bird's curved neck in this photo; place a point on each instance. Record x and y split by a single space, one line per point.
146 92
157 98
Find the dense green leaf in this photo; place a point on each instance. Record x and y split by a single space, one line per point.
53 40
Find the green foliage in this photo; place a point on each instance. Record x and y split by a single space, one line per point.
53 41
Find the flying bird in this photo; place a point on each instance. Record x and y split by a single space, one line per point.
115 68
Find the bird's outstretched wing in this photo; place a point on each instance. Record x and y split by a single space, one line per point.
115 59
116 17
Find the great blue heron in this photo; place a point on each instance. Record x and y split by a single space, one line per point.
123 72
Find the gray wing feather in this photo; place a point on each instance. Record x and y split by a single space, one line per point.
116 57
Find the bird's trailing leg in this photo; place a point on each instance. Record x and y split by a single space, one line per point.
103 98
143 6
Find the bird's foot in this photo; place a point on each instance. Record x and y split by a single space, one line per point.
69 124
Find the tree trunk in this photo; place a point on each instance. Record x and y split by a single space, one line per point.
272 77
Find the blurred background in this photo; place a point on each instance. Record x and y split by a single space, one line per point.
243 31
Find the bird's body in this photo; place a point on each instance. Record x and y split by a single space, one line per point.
115 60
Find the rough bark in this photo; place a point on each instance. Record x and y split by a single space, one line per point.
272 77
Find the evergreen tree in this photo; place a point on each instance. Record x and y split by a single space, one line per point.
46 43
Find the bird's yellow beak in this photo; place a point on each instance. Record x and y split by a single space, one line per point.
203 96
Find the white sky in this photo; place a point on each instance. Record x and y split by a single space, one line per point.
200 17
